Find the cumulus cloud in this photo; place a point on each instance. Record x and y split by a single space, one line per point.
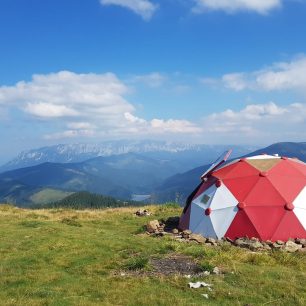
85 105
233 6
259 122
277 77
163 126
144 8
49 110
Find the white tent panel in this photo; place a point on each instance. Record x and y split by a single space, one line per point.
264 156
301 215
197 213
300 200
200 223
229 163
221 220
223 198
205 198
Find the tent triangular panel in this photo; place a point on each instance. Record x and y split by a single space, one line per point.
301 215
289 227
264 194
205 198
221 219
241 186
300 200
185 219
265 219
223 198
241 226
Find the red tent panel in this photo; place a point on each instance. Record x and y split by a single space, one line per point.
265 219
301 167
211 181
264 194
239 169
286 168
241 187
241 226
287 187
289 227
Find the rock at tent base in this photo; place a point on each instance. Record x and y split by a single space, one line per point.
292 247
152 226
197 238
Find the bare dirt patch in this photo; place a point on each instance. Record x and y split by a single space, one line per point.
176 264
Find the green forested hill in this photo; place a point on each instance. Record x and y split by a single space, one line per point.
84 199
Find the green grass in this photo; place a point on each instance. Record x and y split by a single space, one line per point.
48 195
68 257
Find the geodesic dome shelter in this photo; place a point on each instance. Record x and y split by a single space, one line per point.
260 196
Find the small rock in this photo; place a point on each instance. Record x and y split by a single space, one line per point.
197 238
152 226
266 246
205 295
216 271
229 240
292 247
187 232
211 241
269 242
276 246
241 242
280 242
175 231
141 213
302 250
300 241
255 245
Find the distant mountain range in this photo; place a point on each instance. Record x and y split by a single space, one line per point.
161 173
51 173
187 155
179 186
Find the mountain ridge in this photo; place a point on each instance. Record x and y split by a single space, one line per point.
69 153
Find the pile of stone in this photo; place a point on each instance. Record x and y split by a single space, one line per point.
162 228
142 213
156 227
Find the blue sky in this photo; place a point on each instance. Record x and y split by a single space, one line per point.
209 71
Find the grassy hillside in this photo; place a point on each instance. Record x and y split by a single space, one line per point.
68 257
84 199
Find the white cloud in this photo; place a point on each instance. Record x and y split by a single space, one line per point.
233 6
69 134
258 123
87 104
144 8
80 125
277 77
49 110
163 126
282 76
154 79
235 81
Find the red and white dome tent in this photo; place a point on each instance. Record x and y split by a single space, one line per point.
261 196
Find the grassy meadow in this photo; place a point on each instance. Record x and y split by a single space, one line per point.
69 257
